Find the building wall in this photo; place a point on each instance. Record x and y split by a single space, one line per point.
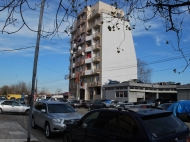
117 66
183 94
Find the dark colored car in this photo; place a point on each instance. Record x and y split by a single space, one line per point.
100 104
132 125
75 103
164 106
86 103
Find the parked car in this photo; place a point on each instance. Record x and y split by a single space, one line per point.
86 103
21 100
181 109
53 116
98 104
123 105
3 98
75 103
12 98
11 106
113 82
164 106
57 98
133 125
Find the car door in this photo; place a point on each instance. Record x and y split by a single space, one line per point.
7 106
82 131
36 112
42 115
17 107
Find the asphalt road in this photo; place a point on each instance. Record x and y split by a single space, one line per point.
38 133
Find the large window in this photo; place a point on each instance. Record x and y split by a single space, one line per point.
119 94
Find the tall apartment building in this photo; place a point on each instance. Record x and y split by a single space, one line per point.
94 57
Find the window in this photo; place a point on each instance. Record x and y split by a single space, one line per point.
121 94
15 104
7 103
128 126
107 121
89 120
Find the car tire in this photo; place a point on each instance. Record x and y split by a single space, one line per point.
67 137
27 112
48 132
34 126
1 111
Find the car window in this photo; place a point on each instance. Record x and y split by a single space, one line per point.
38 106
7 103
15 103
60 108
160 125
107 121
90 119
128 126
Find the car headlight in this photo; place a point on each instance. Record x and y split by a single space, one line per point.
57 121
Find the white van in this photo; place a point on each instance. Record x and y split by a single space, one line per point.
57 98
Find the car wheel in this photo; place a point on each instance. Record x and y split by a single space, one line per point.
33 123
48 132
67 137
27 112
1 111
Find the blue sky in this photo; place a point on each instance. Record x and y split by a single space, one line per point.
53 61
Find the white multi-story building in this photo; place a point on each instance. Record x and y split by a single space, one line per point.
102 48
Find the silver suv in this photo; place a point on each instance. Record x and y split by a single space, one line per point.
53 116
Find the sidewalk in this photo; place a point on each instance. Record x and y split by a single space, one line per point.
11 131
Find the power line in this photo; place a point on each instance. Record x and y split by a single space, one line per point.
16 49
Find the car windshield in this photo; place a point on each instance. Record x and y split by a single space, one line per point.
164 124
60 108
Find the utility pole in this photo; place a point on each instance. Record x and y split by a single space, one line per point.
35 68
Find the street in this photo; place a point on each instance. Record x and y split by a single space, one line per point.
38 132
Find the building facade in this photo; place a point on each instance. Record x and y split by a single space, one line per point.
101 49
133 92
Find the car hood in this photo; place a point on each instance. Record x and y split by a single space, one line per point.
70 115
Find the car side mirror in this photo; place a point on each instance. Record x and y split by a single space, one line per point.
43 110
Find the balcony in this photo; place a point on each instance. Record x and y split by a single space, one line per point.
96 71
88 72
96 13
73 65
80 21
82 62
96 35
96 83
89 84
88 60
73 75
96 59
87 49
89 38
82 73
96 47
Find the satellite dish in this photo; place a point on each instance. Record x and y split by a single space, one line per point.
71 51
82 53
79 48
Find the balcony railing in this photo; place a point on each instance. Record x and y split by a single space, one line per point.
96 71
96 35
96 13
96 59
96 47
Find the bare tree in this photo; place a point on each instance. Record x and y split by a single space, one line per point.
143 71
171 13
43 91
59 91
